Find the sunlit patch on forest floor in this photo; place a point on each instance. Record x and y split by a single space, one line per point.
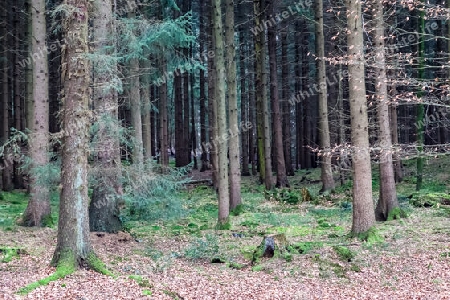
172 259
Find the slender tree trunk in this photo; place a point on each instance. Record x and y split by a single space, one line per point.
103 208
258 92
146 112
179 134
363 210
212 102
398 172
342 139
38 209
245 150
135 107
163 118
388 194
203 100
324 130
231 71
73 244
193 127
219 61
282 180
420 113
5 112
286 106
186 120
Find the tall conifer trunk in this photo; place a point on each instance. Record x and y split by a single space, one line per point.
234 151
324 130
73 244
38 209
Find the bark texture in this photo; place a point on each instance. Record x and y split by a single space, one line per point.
388 194
222 146
234 151
104 206
38 209
73 228
363 209
278 150
324 130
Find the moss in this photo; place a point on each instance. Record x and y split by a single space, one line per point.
143 282
371 236
396 214
147 293
65 267
9 253
47 221
248 251
223 226
97 265
235 265
257 268
344 253
424 199
238 210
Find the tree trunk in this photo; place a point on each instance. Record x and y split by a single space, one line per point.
146 112
163 118
324 130
7 165
103 208
398 172
286 106
420 113
135 107
38 209
388 194
212 102
203 100
73 244
282 180
179 136
219 61
244 96
363 210
233 146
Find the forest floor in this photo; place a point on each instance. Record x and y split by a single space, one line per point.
406 259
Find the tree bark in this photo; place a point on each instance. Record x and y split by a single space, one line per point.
363 210
163 118
233 143
245 150
103 208
286 106
278 150
388 194
203 100
222 145
135 107
73 242
324 130
7 165
38 209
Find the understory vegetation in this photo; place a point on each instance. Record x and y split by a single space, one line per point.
316 228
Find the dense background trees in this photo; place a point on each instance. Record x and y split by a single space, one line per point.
246 87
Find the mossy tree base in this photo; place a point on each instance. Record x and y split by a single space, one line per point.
67 264
369 236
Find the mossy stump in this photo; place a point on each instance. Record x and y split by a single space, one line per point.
274 245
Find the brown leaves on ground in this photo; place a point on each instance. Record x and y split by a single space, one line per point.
412 265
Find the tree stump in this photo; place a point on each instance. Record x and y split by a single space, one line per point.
273 245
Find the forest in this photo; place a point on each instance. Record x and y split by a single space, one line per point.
224 149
